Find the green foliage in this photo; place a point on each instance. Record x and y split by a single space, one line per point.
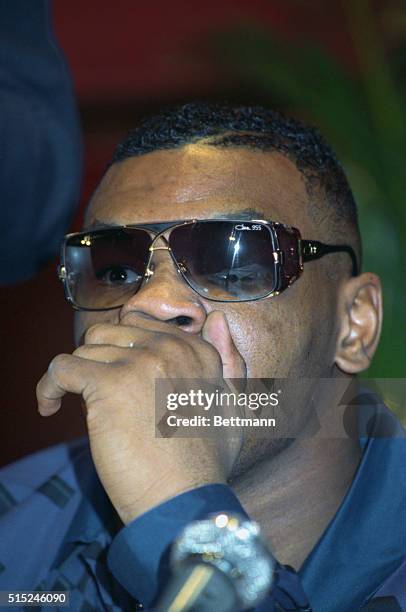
362 113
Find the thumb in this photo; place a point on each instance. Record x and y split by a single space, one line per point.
217 333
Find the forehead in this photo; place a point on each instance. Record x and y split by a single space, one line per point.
201 181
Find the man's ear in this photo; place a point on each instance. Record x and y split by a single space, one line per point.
360 320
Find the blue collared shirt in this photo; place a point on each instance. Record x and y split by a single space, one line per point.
58 531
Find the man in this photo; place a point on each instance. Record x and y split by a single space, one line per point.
162 299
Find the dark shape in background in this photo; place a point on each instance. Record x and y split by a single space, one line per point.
339 65
40 141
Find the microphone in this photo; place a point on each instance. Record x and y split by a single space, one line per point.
220 563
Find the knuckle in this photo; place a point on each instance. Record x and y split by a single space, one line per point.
93 333
182 350
80 351
58 366
153 362
58 362
151 357
160 368
169 343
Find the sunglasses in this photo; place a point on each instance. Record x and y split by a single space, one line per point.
221 260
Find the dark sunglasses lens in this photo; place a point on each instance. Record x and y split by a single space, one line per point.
224 260
104 268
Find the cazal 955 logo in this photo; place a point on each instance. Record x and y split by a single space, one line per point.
243 228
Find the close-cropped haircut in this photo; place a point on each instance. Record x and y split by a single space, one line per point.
261 129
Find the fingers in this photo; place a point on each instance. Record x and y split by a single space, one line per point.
118 335
103 353
129 335
66 373
108 344
217 333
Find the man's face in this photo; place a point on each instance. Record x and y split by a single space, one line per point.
290 335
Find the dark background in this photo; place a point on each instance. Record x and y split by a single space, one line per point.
339 64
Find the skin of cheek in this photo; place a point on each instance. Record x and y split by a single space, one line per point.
284 336
280 341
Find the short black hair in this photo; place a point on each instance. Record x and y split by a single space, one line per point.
258 128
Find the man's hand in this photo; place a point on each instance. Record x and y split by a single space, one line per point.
114 371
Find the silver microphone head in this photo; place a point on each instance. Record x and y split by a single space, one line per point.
233 545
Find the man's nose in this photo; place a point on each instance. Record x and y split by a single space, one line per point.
165 295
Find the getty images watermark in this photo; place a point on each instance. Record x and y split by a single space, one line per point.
280 408
197 398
